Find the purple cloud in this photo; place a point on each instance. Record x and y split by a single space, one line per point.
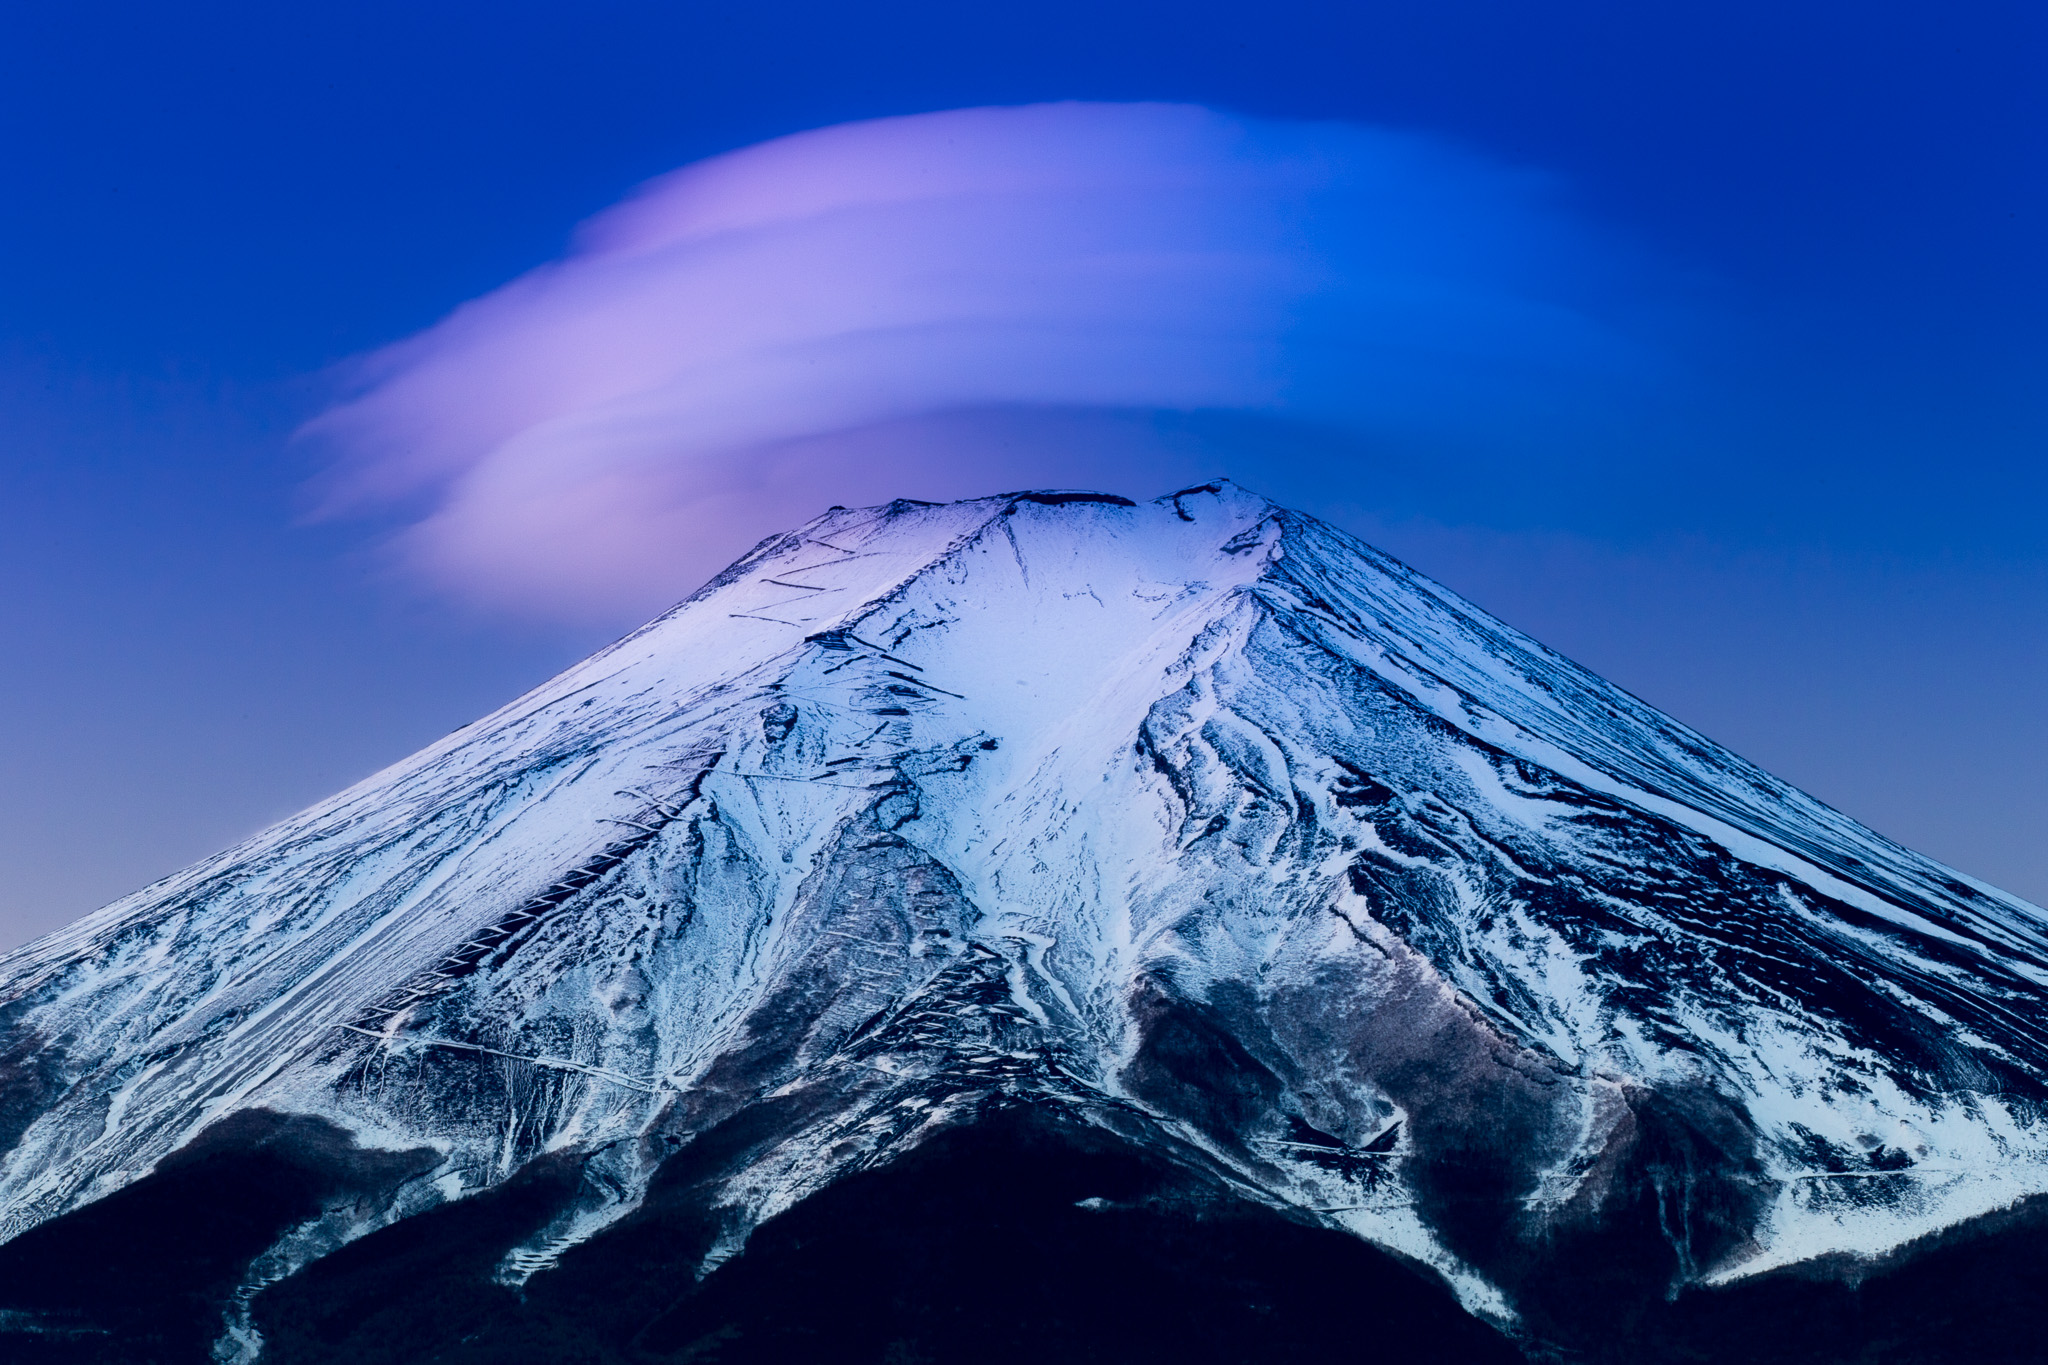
947 304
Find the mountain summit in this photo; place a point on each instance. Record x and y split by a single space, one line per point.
1191 848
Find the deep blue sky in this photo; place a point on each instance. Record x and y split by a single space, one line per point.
1832 558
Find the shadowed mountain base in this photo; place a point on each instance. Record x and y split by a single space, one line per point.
1008 1241
1015 1240
143 1277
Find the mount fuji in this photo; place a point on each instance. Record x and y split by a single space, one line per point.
1041 926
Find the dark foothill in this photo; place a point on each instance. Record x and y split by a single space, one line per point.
145 1274
970 1250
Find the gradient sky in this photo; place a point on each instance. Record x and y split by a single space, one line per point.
1806 516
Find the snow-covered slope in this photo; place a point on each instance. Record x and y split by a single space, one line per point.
1196 821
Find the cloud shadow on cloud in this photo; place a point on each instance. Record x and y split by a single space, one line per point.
950 304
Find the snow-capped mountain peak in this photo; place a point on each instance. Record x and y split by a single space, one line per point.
1195 822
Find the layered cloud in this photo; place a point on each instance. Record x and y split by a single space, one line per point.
955 303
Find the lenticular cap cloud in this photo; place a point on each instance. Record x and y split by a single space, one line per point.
934 305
